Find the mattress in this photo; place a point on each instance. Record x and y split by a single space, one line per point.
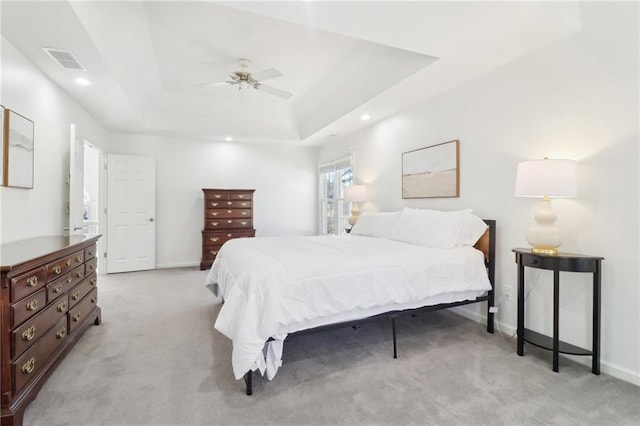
275 286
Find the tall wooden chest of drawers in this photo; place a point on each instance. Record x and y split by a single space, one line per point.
228 214
49 296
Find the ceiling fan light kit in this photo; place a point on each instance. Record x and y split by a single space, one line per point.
243 79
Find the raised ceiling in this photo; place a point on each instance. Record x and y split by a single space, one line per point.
339 59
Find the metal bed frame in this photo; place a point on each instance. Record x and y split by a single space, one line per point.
486 244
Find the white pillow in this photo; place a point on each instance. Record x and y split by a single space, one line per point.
378 224
430 228
472 229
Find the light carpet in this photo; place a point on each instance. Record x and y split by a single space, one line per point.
157 360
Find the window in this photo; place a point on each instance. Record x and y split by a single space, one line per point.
334 211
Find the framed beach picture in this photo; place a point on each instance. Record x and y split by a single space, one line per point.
18 150
432 171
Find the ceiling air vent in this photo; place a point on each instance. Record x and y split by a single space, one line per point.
64 58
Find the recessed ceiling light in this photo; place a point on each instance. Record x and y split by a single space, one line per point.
81 81
365 117
228 139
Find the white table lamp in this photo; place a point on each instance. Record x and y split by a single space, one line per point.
355 194
546 179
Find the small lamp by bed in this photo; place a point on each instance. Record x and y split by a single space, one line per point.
355 194
546 179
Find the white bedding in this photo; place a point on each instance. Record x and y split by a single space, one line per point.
275 286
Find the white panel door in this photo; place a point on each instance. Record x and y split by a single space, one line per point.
131 210
76 182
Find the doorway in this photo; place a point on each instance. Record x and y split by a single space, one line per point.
93 197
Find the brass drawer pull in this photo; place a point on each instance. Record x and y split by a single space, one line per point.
214 213
75 295
229 221
79 274
91 253
62 306
213 252
33 305
29 366
79 258
229 203
241 196
243 223
93 281
94 299
92 266
229 211
29 333
57 269
214 204
229 235
61 333
32 281
214 239
68 262
69 279
244 204
57 289
214 223
76 316
217 195
244 213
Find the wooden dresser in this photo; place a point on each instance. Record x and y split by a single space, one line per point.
228 214
49 297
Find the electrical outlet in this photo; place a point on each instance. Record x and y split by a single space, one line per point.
507 293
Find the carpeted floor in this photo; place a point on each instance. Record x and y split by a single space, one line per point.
156 360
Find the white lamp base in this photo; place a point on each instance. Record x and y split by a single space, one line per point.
544 237
355 213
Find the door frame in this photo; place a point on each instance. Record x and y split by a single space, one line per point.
102 202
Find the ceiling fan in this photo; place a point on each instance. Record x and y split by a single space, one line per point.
243 79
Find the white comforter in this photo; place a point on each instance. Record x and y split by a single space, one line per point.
274 286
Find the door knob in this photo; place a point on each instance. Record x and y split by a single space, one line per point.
150 219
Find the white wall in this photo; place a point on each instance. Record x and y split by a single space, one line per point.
27 213
284 179
578 99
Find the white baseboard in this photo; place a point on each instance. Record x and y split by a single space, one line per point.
606 367
177 265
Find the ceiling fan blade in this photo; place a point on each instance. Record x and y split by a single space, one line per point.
266 74
214 84
273 90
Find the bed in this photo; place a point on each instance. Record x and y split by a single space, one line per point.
391 264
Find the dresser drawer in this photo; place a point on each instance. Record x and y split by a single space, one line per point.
219 238
80 311
60 267
91 266
228 223
240 195
227 213
236 204
65 282
29 332
90 252
210 253
28 307
33 360
82 289
28 283
216 195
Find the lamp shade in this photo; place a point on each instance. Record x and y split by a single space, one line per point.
546 178
355 193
